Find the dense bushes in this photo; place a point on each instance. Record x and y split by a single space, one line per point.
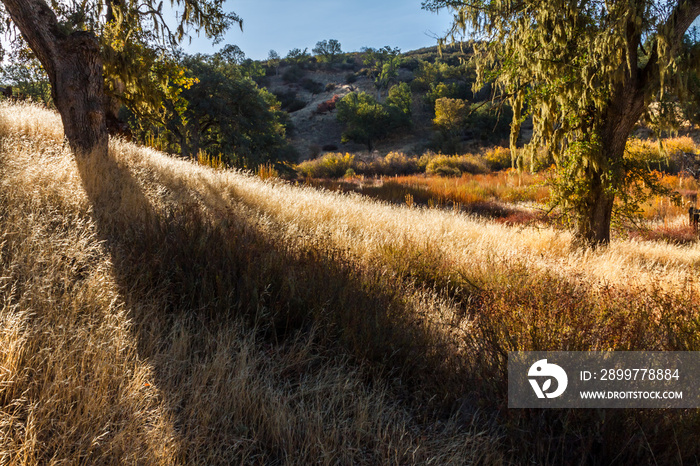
366 120
331 165
673 155
289 101
312 86
677 156
444 165
336 165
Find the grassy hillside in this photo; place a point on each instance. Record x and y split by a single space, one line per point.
158 312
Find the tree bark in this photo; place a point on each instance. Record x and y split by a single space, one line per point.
73 63
593 222
623 112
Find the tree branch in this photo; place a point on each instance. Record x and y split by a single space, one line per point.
39 26
675 27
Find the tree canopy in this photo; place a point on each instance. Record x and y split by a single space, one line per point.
91 49
367 120
383 65
223 112
327 50
585 72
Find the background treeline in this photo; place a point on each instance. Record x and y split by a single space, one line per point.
217 108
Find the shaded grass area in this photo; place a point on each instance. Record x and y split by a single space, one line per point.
152 313
199 339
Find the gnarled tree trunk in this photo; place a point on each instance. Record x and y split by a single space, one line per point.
623 111
593 221
73 63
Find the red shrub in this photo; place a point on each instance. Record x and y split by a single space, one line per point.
328 105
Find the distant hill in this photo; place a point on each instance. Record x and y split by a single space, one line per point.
304 86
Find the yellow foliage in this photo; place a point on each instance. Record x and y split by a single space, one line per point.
449 113
215 162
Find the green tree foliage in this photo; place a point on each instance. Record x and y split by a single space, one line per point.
367 120
224 113
399 106
109 51
327 51
231 54
137 42
383 65
429 74
26 76
273 60
298 57
450 115
585 72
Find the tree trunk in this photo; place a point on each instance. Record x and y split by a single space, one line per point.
593 223
74 66
79 94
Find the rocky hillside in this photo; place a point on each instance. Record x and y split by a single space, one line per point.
305 90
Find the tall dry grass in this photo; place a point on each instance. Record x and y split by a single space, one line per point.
148 318
157 311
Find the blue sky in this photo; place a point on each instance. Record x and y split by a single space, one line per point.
282 25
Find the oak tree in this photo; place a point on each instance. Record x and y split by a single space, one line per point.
365 119
77 40
327 50
223 112
585 72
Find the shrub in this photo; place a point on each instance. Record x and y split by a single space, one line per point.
331 165
498 158
365 119
669 155
674 234
394 163
289 101
489 123
314 150
296 104
455 165
293 74
411 64
334 165
328 105
350 78
330 87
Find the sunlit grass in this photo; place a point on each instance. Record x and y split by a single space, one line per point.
158 311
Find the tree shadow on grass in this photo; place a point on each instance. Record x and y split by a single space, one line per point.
190 279
200 276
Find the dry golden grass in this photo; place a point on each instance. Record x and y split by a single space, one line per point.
160 312
94 369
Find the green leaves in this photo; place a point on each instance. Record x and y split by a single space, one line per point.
582 72
327 50
367 120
